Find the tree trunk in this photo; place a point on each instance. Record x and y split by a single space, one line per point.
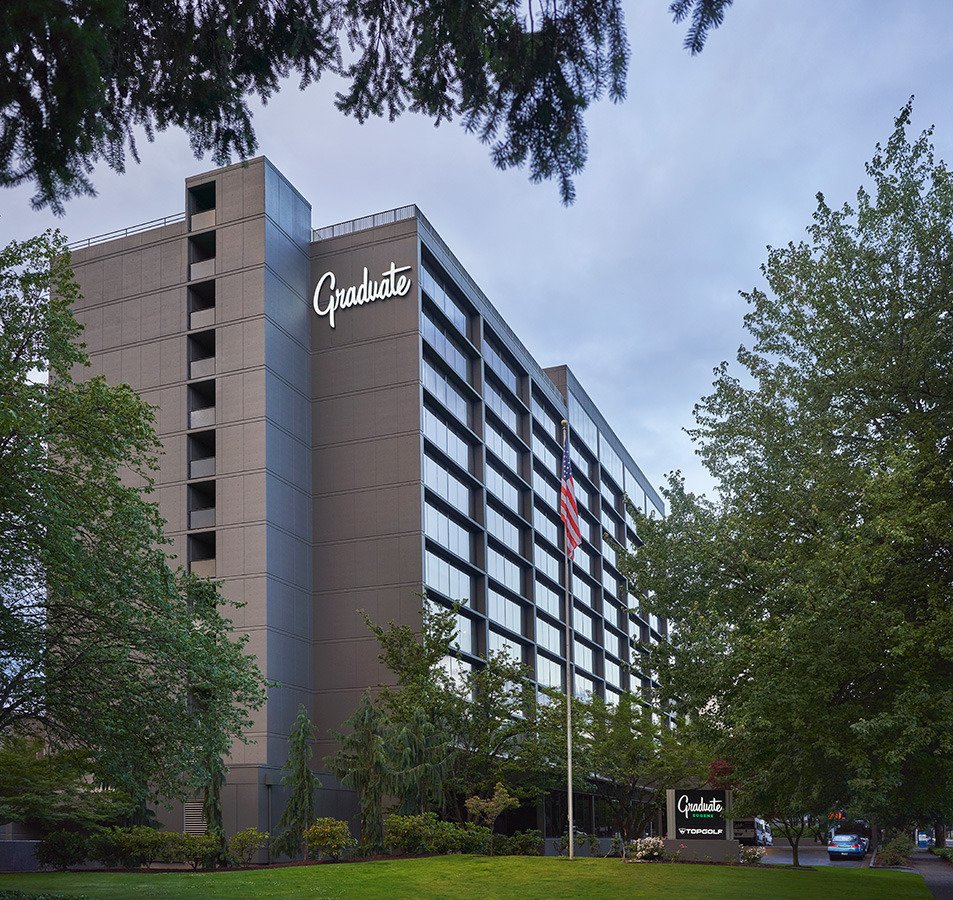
939 834
795 841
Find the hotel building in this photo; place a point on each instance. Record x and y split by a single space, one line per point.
347 420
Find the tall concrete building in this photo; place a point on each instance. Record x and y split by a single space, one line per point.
347 420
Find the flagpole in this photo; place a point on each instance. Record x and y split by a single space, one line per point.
569 675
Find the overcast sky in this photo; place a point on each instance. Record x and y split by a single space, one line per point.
707 161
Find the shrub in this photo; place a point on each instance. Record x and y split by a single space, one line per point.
62 849
408 834
203 850
523 843
477 839
329 837
943 852
647 848
750 856
243 846
616 848
895 852
446 837
593 843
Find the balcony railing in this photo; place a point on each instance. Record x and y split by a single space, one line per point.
202 318
202 468
202 220
203 269
202 368
202 518
202 418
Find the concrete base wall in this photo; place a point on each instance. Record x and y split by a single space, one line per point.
18 856
704 851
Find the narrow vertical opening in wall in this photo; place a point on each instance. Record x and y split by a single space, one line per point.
201 354
201 304
201 404
201 449
201 206
202 553
201 504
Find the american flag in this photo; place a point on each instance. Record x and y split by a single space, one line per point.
568 511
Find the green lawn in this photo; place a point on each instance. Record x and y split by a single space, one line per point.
471 877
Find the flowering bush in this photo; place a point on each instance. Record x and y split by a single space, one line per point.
750 855
648 848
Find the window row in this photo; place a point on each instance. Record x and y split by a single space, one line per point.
452 489
504 448
441 298
444 577
446 345
450 534
504 570
506 372
503 489
504 611
445 438
503 529
501 406
448 394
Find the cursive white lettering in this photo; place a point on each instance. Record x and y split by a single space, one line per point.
392 283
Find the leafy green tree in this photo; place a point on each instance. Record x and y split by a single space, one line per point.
488 712
212 803
634 761
53 790
812 600
487 811
422 757
298 814
520 77
103 646
364 765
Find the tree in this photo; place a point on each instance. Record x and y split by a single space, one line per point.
487 811
812 600
422 757
212 803
364 765
634 761
302 783
72 90
53 790
103 646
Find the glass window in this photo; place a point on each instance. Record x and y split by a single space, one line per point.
504 611
503 529
582 655
612 698
615 643
545 525
609 495
464 639
501 406
502 447
582 559
439 385
453 582
452 489
613 673
580 462
583 426
499 643
551 423
548 457
549 600
457 669
441 298
610 584
585 529
581 590
548 673
582 623
548 563
502 488
611 460
447 532
496 361
545 490
504 570
445 438
608 552
584 686
549 636
446 345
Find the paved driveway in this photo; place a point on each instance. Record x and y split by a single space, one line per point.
810 855
937 873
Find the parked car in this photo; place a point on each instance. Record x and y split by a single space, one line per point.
846 846
754 832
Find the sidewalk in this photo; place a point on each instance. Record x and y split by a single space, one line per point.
937 873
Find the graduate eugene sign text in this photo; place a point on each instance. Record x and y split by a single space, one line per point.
329 299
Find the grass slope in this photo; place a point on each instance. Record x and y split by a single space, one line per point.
469 877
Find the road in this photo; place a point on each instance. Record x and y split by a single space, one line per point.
810 855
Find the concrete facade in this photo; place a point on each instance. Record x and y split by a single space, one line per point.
318 471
